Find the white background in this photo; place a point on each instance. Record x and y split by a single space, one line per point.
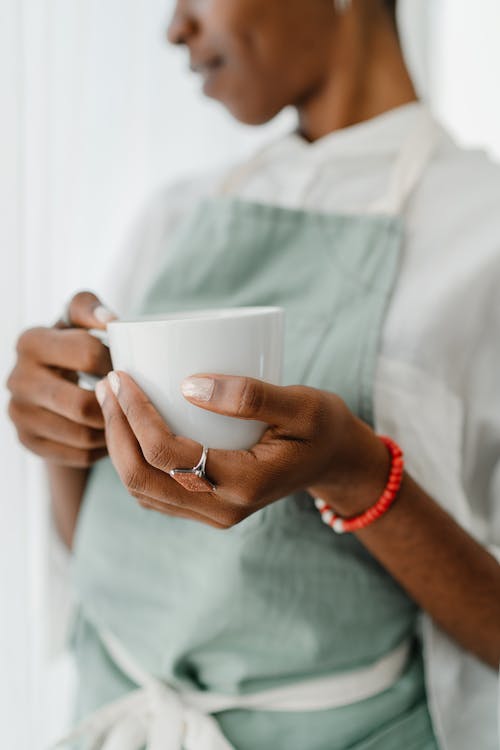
96 112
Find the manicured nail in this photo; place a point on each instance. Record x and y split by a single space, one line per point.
114 381
100 391
199 388
104 315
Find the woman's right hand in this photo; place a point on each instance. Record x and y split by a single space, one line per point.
54 417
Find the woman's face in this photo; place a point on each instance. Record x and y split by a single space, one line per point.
256 56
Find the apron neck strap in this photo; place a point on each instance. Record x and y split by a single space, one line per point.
415 155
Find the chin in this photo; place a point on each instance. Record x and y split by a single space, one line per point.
249 113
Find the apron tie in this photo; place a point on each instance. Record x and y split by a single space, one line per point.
158 717
155 717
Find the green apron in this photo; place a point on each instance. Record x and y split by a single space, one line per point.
278 598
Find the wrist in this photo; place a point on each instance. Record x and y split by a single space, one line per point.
360 474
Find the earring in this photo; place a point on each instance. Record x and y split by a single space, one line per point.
342 6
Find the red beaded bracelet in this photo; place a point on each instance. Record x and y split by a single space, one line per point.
346 525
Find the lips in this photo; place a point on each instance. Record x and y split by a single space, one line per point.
206 66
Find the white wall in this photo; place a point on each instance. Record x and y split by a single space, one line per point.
465 70
125 115
21 512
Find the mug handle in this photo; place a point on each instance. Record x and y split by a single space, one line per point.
85 380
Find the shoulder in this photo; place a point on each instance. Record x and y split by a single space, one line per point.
452 238
446 307
145 238
171 201
456 209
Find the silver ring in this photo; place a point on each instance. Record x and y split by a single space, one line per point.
195 479
199 469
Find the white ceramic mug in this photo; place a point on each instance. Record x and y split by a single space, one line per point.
159 351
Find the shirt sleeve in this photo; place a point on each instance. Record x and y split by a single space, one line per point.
448 421
481 448
129 271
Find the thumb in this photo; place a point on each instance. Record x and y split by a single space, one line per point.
85 310
247 398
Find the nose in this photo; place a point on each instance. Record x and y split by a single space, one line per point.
182 25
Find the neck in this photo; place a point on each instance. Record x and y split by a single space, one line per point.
366 77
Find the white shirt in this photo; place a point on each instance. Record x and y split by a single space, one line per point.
437 384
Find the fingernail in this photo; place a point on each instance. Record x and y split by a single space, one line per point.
199 388
114 381
100 392
104 315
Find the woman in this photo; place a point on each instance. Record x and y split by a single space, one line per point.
380 239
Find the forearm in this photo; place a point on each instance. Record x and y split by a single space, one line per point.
442 567
67 485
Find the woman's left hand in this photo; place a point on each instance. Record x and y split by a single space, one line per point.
313 442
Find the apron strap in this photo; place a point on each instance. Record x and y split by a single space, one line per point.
415 154
313 694
237 174
411 163
161 718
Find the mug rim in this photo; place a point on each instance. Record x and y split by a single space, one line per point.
200 316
